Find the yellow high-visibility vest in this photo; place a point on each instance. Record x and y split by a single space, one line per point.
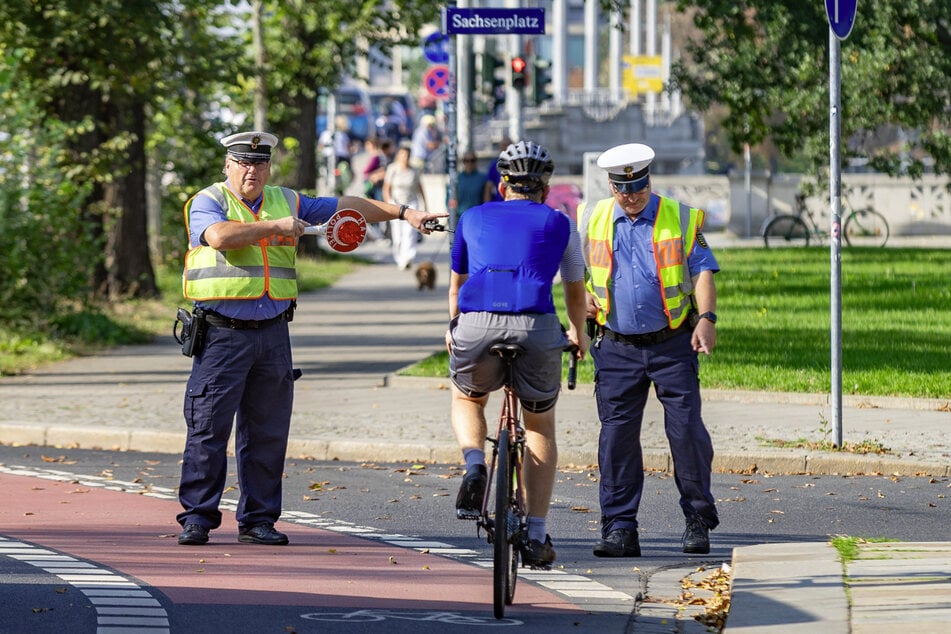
267 266
670 253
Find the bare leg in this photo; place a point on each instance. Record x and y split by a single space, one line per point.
468 420
541 461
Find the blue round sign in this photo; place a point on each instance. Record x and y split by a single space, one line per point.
841 15
436 48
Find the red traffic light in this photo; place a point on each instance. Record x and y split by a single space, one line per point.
518 64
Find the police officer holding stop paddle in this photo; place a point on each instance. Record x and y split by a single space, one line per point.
240 272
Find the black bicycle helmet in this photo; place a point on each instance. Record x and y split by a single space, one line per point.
525 166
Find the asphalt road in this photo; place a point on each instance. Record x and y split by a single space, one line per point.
377 546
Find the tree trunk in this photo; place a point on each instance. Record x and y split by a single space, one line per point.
304 175
128 262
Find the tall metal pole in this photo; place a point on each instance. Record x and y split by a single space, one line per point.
452 198
559 54
513 96
835 190
260 84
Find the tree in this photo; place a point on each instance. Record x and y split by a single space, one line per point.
312 45
766 61
309 45
99 68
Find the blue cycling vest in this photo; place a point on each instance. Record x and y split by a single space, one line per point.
511 251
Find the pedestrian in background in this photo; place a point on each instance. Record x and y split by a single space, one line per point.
492 177
402 186
426 141
240 272
653 298
381 153
470 183
493 300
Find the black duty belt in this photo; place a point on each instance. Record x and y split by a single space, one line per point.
646 339
220 321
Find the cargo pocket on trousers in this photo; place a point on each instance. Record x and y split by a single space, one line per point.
197 405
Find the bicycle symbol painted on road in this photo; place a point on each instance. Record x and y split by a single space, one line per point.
373 616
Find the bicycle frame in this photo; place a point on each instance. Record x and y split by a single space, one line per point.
506 529
510 420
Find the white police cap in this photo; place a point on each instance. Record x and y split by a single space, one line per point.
628 164
250 146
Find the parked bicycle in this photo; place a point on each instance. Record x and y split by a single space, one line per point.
505 527
862 227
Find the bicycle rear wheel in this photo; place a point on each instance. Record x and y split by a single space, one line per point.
786 231
505 559
866 228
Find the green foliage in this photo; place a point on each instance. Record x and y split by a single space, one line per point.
766 61
774 328
46 252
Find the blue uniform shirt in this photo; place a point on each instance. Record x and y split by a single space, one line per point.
636 303
206 212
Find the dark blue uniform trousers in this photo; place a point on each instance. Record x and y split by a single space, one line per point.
242 378
623 375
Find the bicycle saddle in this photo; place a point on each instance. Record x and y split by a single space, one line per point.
507 350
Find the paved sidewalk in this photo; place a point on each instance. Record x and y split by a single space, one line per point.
350 341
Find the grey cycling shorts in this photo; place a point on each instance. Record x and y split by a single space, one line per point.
537 371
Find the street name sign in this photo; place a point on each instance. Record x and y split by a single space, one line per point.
495 21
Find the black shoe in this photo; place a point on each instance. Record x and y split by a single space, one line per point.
696 537
193 535
262 534
471 492
538 555
620 542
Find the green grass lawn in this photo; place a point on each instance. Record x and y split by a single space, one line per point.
773 331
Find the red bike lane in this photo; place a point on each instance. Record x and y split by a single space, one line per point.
135 535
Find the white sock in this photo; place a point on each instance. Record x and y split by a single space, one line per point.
536 528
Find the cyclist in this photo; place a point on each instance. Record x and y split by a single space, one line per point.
504 260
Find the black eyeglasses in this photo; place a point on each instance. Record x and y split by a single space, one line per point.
468 160
246 165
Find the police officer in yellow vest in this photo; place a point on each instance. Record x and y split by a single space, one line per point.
240 272
652 295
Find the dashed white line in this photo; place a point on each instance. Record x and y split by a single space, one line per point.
118 609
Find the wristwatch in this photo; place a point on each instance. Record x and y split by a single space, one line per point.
712 316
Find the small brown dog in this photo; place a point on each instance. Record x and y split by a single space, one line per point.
426 275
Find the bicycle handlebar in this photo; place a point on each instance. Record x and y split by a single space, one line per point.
433 225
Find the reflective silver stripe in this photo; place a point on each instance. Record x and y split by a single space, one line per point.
291 197
687 285
252 272
283 273
212 191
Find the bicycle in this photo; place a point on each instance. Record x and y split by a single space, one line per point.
862 227
506 528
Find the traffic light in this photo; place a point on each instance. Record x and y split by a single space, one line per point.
541 80
518 73
492 84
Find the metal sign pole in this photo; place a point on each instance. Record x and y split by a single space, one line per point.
835 190
452 195
841 15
